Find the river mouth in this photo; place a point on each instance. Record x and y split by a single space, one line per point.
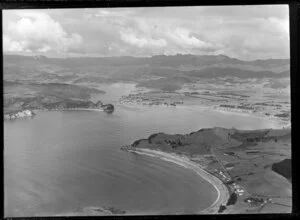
63 161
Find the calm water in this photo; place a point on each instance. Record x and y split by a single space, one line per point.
60 161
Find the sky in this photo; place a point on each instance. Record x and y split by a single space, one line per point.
243 32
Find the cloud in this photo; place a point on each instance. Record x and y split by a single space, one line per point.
141 41
116 12
13 46
160 35
244 32
184 38
38 32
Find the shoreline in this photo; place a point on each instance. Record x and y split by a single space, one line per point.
73 109
281 123
34 111
223 193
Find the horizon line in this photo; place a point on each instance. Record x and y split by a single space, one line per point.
178 54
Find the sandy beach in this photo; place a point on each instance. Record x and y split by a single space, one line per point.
69 109
184 161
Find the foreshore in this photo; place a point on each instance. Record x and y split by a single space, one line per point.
222 191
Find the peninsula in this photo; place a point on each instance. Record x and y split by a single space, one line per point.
22 99
247 167
62 105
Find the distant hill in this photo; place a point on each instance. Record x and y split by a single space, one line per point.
111 69
158 60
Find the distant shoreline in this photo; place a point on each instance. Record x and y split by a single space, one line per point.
284 123
210 109
223 193
34 111
73 109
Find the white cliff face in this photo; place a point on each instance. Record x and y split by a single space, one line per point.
22 114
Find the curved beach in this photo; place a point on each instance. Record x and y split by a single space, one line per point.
223 193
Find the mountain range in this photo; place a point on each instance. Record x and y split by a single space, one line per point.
155 71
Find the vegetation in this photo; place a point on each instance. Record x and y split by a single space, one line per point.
151 137
108 108
283 115
20 96
222 208
232 199
164 84
114 210
244 175
227 106
136 143
284 168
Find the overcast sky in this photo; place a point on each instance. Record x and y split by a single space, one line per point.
244 32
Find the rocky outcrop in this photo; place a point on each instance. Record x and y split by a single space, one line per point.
108 108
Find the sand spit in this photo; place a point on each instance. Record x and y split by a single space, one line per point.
223 193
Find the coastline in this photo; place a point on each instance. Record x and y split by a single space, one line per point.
34 111
282 123
247 114
76 109
223 193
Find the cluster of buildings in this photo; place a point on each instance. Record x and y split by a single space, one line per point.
226 179
138 98
233 108
237 189
255 201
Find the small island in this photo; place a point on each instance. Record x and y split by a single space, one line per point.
108 108
246 167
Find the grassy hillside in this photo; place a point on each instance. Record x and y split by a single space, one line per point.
243 158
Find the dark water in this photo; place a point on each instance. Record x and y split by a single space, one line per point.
60 161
